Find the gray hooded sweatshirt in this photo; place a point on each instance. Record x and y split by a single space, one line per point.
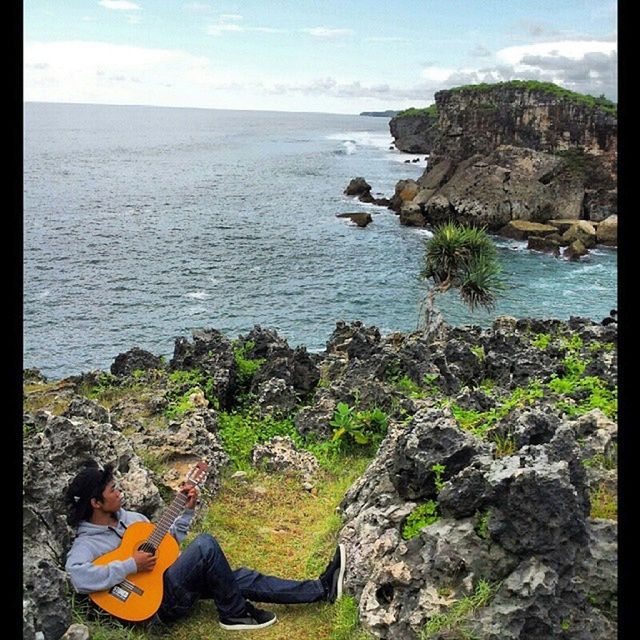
94 540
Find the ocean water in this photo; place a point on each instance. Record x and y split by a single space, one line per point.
143 223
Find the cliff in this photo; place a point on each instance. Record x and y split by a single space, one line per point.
539 116
511 151
415 130
478 118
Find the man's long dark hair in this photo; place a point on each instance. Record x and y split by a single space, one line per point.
89 483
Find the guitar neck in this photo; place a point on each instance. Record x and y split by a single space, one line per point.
166 520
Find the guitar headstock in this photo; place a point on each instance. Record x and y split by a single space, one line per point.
198 474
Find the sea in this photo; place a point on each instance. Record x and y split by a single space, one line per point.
142 224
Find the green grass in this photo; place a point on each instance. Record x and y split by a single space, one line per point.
604 503
586 100
454 617
269 523
479 422
241 432
429 112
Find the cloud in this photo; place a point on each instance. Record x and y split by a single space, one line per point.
538 29
84 71
119 5
437 74
330 87
388 40
573 49
227 24
585 66
327 33
480 51
219 29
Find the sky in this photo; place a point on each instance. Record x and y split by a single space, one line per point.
331 56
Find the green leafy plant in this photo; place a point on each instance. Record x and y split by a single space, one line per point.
345 424
487 385
582 393
429 384
246 366
541 341
438 470
482 524
430 112
589 101
478 352
596 346
422 516
360 427
479 422
454 617
177 407
183 382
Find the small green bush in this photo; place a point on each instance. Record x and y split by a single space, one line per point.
422 516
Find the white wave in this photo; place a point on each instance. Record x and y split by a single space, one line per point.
363 138
349 147
514 245
423 232
198 295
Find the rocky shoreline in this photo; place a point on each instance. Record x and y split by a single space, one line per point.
512 153
507 436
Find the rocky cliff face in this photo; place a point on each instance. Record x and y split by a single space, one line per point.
414 133
513 151
474 121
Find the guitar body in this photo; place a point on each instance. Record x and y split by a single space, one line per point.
139 596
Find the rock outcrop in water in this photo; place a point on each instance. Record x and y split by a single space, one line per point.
507 434
511 151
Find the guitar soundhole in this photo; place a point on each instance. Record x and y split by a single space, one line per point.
149 548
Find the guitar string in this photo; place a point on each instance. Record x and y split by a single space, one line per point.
165 522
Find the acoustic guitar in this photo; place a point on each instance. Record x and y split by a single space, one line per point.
139 596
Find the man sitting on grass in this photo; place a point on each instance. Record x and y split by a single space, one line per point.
200 571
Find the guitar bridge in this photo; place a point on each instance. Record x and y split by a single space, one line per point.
118 592
124 589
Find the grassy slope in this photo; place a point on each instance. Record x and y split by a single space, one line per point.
270 523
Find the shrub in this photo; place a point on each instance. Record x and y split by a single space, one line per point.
422 516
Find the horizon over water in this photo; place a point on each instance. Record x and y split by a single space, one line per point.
143 223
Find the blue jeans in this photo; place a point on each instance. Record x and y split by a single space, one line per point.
202 571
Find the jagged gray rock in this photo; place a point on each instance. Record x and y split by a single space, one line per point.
211 352
519 523
135 359
280 454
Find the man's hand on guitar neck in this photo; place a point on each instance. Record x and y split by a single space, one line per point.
192 495
144 561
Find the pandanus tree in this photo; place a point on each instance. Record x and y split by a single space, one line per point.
462 258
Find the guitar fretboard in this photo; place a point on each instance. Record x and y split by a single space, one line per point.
166 520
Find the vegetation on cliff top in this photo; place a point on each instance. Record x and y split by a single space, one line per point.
589 101
428 112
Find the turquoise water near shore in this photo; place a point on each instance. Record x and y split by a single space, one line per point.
143 223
